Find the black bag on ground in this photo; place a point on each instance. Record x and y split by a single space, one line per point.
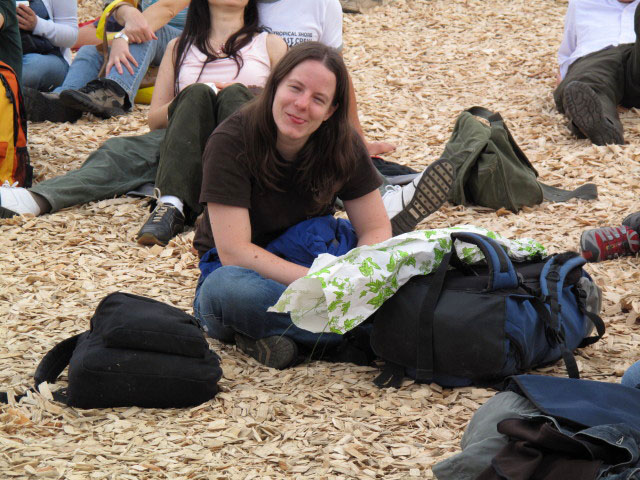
480 324
138 352
491 169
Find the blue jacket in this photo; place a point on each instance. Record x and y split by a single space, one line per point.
301 243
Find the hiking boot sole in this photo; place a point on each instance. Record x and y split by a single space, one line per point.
274 352
41 108
584 109
431 193
80 102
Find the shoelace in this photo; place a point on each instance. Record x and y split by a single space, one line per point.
6 184
159 211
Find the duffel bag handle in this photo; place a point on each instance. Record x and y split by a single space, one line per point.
502 274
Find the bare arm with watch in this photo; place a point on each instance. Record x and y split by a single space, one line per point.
139 27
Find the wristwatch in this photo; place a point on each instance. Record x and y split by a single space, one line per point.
121 34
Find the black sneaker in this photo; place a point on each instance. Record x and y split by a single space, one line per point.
41 106
632 221
278 351
102 97
164 223
583 107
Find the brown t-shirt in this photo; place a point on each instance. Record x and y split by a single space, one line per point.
227 180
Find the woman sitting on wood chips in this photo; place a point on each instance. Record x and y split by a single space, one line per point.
280 160
222 42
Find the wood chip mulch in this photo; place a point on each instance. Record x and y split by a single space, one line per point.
416 64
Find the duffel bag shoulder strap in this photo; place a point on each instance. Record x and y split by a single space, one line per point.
392 373
51 366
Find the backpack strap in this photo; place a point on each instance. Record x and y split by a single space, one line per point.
502 274
552 280
55 361
50 367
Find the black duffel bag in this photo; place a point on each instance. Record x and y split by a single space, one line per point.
138 352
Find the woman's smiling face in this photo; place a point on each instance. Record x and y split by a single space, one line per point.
303 100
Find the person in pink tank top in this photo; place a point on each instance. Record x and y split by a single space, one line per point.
220 53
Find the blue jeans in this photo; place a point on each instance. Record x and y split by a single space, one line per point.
235 300
631 377
88 61
43 72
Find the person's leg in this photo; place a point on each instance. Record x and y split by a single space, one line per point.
43 72
234 300
632 69
114 94
631 377
410 204
47 106
119 165
148 53
193 115
590 93
84 68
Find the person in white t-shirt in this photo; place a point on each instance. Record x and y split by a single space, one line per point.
599 67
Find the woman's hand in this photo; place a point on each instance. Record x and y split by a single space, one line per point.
119 56
27 19
136 26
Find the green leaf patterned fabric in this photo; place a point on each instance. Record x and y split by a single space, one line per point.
340 293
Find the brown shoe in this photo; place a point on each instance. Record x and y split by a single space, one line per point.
102 97
41 107
584 109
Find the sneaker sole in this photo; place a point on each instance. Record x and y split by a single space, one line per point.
274 352
583 107
431 193
150 239
79 102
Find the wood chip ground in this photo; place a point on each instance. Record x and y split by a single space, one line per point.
415 66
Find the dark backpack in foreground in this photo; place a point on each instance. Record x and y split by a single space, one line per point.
138 352
478 325
492 171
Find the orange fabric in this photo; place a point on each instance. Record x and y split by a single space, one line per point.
14 164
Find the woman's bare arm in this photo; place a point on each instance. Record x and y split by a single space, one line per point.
231 229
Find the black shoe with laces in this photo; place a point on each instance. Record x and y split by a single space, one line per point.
102 97
278 351
164 223
41 107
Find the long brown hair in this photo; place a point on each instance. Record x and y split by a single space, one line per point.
329 156
196 32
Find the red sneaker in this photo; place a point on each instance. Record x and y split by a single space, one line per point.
606 243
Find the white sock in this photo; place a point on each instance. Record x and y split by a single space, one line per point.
18 199
172 200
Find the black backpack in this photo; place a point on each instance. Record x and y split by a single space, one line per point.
138 352
480 324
